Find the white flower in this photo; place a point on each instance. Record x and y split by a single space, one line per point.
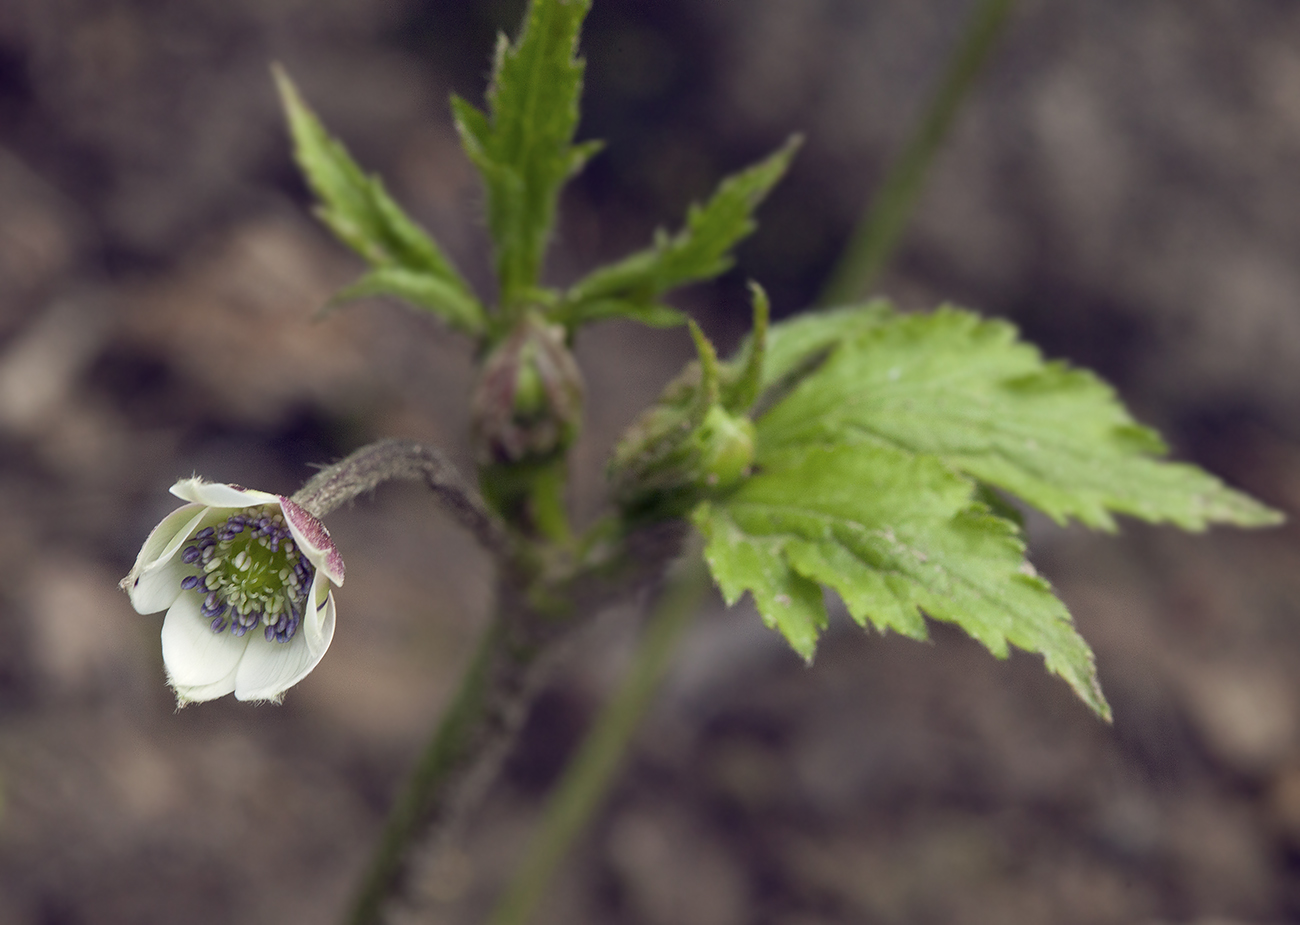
243 576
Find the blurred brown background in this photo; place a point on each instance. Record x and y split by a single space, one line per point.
1123 186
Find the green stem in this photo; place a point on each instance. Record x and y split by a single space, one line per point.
588 775
441 758
880 229
530 496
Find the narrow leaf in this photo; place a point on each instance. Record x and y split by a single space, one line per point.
700 251
523 146
651 314
968 391
359 211
421 289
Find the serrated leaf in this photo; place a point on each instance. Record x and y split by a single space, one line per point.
523 147
651 314
967 390
894 534
700 251
422 289
359 211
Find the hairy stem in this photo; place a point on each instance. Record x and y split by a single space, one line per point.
536 609
880 229
386 460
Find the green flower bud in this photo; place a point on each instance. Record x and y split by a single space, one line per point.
697 439
726 448
528 404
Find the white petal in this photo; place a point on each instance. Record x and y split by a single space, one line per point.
314 540
197 693
219 494
271 668
155 580
194 655
165 534
320 611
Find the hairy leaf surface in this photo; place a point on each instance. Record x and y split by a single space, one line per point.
523 146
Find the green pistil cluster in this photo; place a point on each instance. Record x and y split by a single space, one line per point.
252 568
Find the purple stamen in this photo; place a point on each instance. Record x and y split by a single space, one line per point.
189 582
204 533
218 625
214 610
191 555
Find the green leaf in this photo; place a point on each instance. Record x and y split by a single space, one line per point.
894 534
363 216
652 314
700 251
523 148
422 289
803 341
968 391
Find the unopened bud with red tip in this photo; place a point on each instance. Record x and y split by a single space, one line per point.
528 404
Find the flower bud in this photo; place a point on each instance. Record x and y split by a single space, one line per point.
528 404
726 448
686 445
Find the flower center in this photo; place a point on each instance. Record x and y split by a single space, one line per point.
251 572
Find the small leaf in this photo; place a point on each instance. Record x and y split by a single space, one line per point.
364 217
894 534
651 314
523 146
422 289
700 251
968 391
746 378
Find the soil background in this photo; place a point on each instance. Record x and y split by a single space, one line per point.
1123 186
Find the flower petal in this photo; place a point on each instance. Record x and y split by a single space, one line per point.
219 494
314 540
271 668
193 654
197 693
320 610
155 580
165 535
